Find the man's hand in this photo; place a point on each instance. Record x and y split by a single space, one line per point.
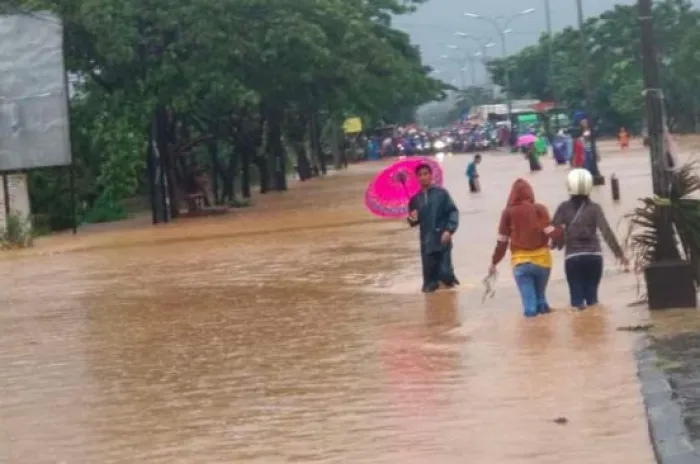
492 269
446 237
413 216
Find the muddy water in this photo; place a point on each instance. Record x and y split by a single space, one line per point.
294 332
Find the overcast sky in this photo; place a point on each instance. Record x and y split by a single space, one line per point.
433 27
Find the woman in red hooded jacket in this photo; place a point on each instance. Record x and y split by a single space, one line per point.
525 225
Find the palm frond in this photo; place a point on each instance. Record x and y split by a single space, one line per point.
646 222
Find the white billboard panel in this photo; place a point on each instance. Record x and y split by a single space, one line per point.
34 118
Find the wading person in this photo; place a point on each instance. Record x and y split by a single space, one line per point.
526 227
433 210
580 219
473 174
624 138
533 158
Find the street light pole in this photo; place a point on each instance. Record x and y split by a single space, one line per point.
502 28
484 45
509 96
598 179
548 18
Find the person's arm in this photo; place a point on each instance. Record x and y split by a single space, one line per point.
559 219
502 240
550 229
413 217
607 233
452 214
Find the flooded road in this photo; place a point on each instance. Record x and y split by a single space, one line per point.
295 332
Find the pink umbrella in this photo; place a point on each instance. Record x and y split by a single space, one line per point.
526 139
388 194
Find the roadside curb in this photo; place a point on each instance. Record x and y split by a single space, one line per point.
667 430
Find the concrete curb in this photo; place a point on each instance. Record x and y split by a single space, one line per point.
667 430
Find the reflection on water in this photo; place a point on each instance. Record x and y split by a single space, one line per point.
295 332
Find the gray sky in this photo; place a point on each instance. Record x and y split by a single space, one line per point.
433 27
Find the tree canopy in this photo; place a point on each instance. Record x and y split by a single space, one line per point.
613 45
227 87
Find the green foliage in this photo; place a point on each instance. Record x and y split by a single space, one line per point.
682 209
219 83
17 232
613 44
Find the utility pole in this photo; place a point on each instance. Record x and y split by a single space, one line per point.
660 172
598 179
509 97
669 279
548 18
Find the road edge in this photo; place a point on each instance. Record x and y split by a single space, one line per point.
667 431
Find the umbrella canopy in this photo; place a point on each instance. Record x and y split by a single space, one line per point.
388 194
526 139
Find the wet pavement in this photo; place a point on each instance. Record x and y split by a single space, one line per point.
294 331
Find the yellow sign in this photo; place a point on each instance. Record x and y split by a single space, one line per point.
352 125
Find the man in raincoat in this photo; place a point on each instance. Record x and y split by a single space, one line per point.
434 211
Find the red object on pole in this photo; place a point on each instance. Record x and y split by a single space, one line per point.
579 154
542 106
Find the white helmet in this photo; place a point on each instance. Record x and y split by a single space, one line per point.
579 182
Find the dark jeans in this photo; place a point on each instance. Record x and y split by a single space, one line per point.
583 273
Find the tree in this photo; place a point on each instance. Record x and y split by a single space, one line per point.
613 43
226 87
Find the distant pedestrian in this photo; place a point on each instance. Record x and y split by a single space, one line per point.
526 227
473 174
579 219
624 139
533 158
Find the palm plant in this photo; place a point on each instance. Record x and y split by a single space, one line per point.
678 215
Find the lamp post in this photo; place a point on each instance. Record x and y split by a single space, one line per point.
468 61
484 45
598 179
501 25
550 67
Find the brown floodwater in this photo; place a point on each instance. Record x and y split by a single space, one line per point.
294 331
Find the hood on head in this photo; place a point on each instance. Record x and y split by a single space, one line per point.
521 192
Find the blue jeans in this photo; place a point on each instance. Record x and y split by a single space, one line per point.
532 284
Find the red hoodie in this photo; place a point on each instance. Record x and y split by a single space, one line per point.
524 223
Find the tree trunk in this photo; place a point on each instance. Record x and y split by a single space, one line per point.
335 146
213 148
276 149
231 176
164 140
303 166
245 174
261 160
319 165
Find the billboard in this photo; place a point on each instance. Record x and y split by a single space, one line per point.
34 125
352 126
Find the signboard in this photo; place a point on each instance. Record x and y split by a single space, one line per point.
352 126
527 119
34 125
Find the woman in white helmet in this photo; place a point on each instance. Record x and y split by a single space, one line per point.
581 219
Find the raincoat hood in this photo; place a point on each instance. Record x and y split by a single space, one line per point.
521 192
